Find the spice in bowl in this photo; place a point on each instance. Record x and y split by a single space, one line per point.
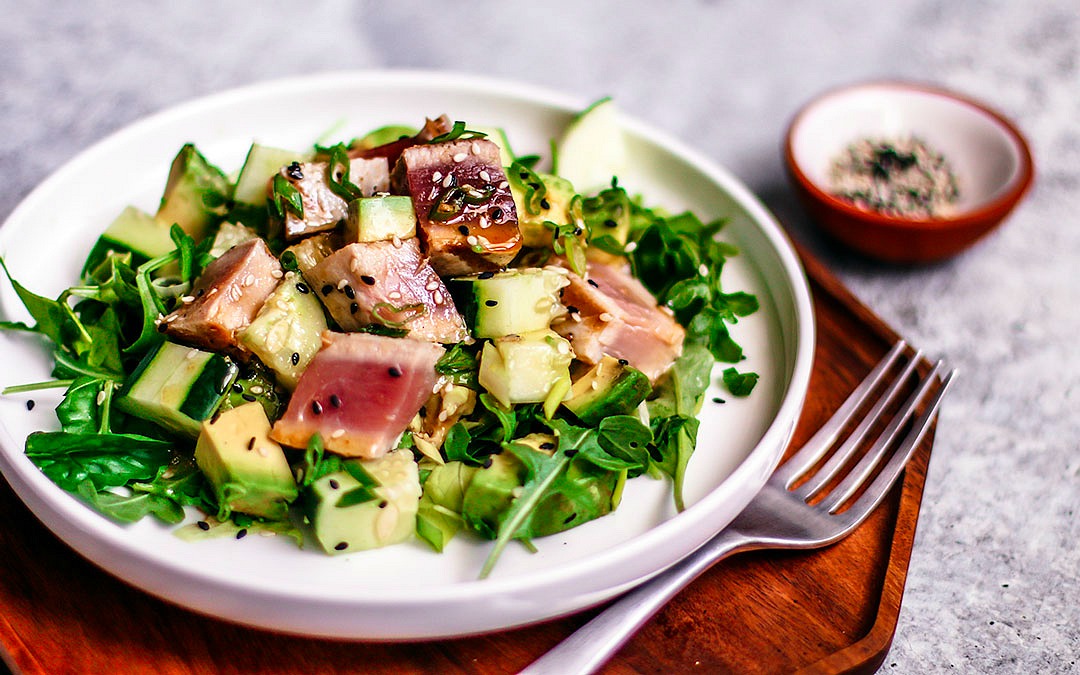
903 177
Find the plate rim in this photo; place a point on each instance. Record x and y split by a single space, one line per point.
752 467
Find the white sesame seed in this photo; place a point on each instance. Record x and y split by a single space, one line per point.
563 348
101 397
338 433
460 157
629 248
449 178
449 387
484 224
249 279
187 299
192 354
171 318
396 241
703 270
485 176
257 390
212 291
394 295
575 317
443 415
605 317
437 176
471 240
503 185
594 385
290 274
476 149
342 284
277 274
437 296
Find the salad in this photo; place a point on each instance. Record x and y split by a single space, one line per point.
415 333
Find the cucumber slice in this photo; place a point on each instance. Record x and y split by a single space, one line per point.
178 387
133 231
511 302
287 332
593 150
261 164
529 368
389 518
195 194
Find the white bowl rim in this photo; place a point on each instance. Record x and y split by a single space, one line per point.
776 435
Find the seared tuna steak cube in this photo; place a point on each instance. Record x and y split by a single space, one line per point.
610 312
323 208
388 283
463 204
359 393
225 299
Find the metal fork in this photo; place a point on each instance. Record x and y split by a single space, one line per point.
785 514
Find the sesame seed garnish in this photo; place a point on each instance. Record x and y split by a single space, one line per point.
593 284
610 223
342 283
437 176
394 295
396 241
575 317
393 371
606 317
242 533
383 504
449 180
249 279
432 285
717 399
203 525
464 229
703 270
187 299
563 348
491 303
341 546
497 213
547 445
485 176
460 157
338 433
316 407
251 443
327 289
484 223
503 185
354 308
623 362
247 397
370 281
334 484
277 274
257 390
443 415
437 296
486 275
302 287
629 248
545 204
30 404
471 240
210 292
349 292
476 149
335 400
295 358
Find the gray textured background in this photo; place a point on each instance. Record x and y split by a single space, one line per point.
993 580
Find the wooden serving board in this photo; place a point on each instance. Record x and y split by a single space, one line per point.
827 611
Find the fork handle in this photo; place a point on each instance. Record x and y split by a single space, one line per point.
590 646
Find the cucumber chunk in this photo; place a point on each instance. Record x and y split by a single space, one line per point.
592 150
286 333
178 387
195 195
511 302
133 231
528 368
553 207
261 164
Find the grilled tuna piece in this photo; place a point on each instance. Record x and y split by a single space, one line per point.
463 204
359 393
392 150
225 299
323 208
612 313
387 283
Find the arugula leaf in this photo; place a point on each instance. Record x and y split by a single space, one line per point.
78 412
585 443
739 384
55 318
107 460
460 365
506 416
181 481
132 507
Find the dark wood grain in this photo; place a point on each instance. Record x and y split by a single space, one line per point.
826 611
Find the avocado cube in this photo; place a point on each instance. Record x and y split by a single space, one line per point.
389 518
380 219
248 471
490 493
553 207
195 194
611 387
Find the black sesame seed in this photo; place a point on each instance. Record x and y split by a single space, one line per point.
623 362
200 293
717 399
341 546
610 223
633 444
251 443
334 484
572 309
394 371
571 452
316 407
349 292
247 397
295 358
203 525
547 446
569 518
486 275
162 327
535 186
302 287
578 231
242 533
593 284
497 213
545 204
237 388
335 400
464 229
491 303
295 172
488 462
354 308
30 404
215 417
370 281
524 175
327 289
383 504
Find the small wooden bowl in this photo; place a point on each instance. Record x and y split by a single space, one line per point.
988 154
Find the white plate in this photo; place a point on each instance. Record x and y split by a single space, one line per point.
406 591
